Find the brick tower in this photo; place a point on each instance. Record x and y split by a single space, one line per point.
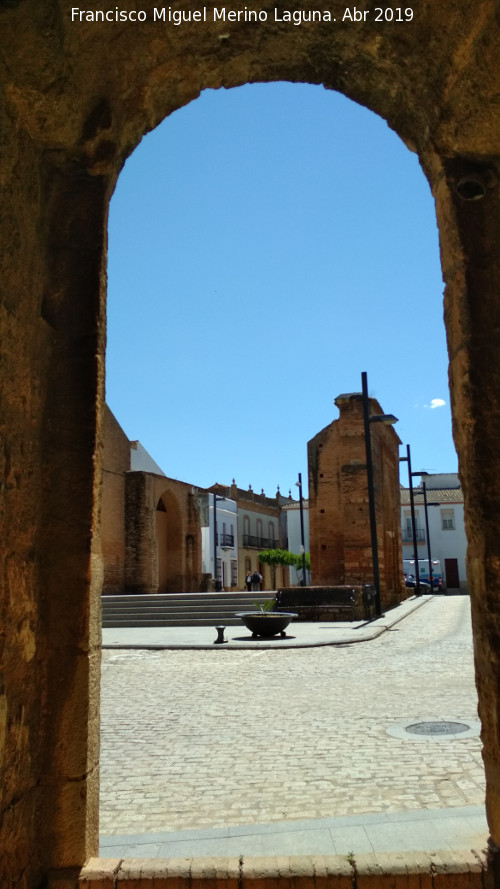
339 522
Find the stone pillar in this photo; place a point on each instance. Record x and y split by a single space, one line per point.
467 203
52 383
141 550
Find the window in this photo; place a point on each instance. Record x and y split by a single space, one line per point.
271 533
447 519
246 526
219 572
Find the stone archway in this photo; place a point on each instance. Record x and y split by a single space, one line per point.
76 99
169 545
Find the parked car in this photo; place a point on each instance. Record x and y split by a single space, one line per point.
423 573
411 582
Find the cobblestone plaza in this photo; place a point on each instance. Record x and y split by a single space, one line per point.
196 739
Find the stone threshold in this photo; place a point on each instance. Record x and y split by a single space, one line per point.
415 870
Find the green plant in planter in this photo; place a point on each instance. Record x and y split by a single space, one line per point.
264 606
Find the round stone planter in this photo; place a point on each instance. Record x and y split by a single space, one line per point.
266 623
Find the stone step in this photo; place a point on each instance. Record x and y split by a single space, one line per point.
178 609
135 621
174 613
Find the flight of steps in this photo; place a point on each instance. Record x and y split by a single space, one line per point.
178 609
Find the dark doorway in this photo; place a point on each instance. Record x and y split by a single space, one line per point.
451 573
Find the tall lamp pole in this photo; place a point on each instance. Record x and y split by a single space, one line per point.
407 460
215 542
302 539
388 420
426 512
215 538
371 494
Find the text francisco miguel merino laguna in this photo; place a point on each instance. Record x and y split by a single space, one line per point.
204 14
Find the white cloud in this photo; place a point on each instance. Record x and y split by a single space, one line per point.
436 402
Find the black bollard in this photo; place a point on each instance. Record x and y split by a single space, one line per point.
220 636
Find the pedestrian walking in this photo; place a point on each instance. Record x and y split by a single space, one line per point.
248 581
256 580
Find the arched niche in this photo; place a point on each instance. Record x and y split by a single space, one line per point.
169 537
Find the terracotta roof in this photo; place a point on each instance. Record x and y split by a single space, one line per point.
442 495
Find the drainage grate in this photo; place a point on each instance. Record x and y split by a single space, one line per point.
437 728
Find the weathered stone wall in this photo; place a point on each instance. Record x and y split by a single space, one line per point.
150 525
75 101
141 555
115 463
339 520
145 554
369 871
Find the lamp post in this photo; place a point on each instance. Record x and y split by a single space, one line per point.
407 459
302 541
426 513
429 557
388 420
216 499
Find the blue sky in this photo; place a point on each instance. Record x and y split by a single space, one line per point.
267 244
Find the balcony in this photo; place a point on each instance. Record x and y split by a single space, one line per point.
225 540
260 542
407 535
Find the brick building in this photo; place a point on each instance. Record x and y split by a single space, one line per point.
339 522
151 534
157 534
261 525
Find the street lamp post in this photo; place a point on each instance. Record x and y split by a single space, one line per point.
216 499
388 420
426 513
302 539
407 459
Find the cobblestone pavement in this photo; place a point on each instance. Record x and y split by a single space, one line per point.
194 739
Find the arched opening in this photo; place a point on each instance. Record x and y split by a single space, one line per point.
353 222
168 527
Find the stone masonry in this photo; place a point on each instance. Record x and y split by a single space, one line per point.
339 522
150 525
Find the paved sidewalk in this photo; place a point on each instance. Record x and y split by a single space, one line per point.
454 829
299 746
300 634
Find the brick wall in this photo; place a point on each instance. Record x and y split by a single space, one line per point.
151 536
339 529
116 462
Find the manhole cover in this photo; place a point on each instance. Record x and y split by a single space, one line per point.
437 728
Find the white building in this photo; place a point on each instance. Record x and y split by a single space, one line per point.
225 512
292 512
445 511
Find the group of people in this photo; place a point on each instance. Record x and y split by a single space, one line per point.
253 581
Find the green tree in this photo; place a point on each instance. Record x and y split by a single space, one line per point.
274 557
